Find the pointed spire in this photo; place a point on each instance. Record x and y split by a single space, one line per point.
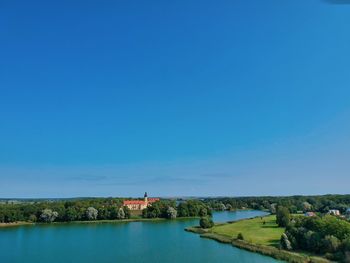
145 194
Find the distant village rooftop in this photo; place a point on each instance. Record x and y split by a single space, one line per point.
334 212
310 214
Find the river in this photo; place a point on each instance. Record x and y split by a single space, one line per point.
162 241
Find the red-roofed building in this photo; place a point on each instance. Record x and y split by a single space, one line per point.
310 214
139 204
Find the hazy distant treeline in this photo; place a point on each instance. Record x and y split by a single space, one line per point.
322 203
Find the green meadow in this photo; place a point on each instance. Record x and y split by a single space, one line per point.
261 231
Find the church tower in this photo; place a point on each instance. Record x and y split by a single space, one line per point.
146 198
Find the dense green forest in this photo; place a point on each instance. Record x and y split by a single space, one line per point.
94 209
168 209
322 234
321 204
63 210
327 235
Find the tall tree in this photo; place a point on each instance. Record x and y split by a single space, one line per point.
48 216
282 216
171 212
91 213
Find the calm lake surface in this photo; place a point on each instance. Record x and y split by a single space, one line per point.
163 242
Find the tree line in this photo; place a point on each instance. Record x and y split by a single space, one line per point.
295 204
169 209
64 210
326 235
96 209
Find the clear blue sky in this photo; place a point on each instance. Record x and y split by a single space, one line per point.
114 98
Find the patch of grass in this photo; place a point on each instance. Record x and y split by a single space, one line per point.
261 235
254 230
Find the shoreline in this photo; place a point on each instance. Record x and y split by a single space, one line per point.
274 252
108 221
14 224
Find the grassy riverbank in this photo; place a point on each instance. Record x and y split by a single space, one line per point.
261 231
261 235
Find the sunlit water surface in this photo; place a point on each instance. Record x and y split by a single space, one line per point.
163 242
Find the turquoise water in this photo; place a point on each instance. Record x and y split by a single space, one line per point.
163 242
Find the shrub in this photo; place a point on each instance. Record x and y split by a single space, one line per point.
121 213
346 245
203 212
282 216
206 222
228 207
221 207
331 244
91 213
48 216
240 236
171 212
32 218
285 243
